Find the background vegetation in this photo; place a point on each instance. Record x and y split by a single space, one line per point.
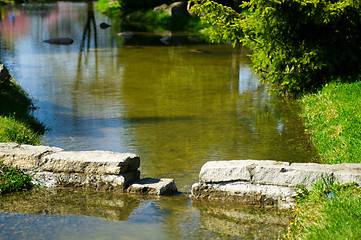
123 7
16 125
298 45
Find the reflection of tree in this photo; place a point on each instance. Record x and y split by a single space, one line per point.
86 40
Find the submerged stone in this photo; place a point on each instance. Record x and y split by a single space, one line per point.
60 41
125 34
104 25
153 186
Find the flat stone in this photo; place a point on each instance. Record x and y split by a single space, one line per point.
90 162
117 182
246 193
267 182
24 157
153 186
235 170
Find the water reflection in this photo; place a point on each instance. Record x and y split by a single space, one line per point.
112 207
176 105
234 220
70 214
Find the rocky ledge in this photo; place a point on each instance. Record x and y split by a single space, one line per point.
100 170
266 182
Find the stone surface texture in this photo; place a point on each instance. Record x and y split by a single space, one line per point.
266 182
52 167
152 186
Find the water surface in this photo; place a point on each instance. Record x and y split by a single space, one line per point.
176 105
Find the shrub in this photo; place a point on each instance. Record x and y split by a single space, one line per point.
298 45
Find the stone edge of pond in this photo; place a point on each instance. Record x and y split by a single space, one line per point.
98 170
266 182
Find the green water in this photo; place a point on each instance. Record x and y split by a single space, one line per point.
176 105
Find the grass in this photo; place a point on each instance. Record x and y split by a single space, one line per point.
333 119
13 180
329 211
16 122
16 125
12 130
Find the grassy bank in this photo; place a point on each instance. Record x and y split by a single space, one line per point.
329 211
16 125
333 121
16 122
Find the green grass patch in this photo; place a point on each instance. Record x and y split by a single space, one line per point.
12 130
13 180
333 119
329 211
16 122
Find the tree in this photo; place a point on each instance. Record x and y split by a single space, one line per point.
297 45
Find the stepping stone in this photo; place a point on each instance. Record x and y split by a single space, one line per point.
153 186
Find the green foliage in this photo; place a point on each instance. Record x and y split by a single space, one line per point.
333 119
298 45
330 210
109 8
224 23
13 180
118 7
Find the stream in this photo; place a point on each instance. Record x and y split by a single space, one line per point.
177 105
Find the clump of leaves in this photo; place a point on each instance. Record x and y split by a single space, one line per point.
13 180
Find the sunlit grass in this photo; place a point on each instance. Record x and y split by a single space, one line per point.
333 119
328 211
12 130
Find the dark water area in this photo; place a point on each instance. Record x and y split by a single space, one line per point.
177 104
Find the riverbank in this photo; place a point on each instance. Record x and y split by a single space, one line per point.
16 125
331 210
16 121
